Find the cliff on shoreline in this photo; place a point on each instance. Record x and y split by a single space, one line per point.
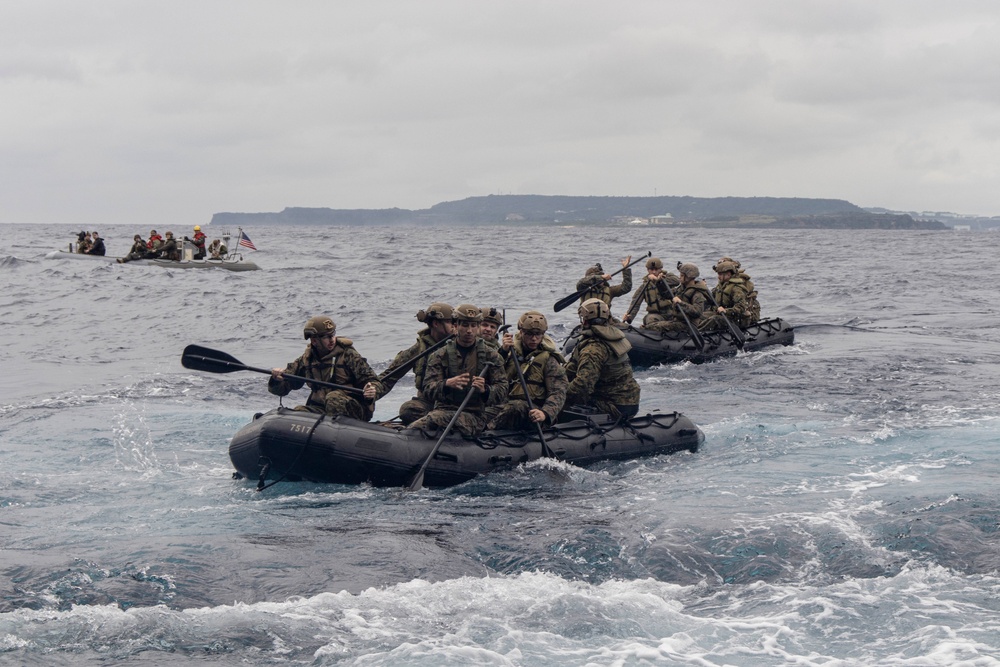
755 212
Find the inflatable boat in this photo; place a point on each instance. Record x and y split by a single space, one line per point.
231 263
650 348
304 446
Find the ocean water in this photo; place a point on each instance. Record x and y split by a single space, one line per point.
845 509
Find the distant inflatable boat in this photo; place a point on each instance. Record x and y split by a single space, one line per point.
650 348
303 446
233 263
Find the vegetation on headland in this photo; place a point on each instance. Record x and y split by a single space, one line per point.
749 212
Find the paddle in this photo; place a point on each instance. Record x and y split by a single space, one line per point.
546 451
402 369
205 359
418 480
661 285
737 336
566 301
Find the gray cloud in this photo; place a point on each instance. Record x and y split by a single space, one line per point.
174 111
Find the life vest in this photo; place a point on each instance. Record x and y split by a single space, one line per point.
732 295
689 294
330 368
618 368
533 367
658 301
456 365
154 242
597 288
424 341
752 303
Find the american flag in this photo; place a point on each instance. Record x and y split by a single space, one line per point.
245 241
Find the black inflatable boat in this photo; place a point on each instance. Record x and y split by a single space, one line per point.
295 445
650 348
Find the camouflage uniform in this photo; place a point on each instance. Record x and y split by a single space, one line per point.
344 365
494 316
546 380
419 405
137 251
452 361
658 303
600 373
598 288
168 250
753 305
694 303
731 295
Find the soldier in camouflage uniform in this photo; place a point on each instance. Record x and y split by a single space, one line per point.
753 305
595 281
440 321
542 367
654 293
599 370
691 296
329 359
455 368
137 251
731 295
492 321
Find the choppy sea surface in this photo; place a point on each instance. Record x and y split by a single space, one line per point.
845 509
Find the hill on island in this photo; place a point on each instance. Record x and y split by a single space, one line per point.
764 212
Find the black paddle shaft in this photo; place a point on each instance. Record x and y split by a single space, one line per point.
567 300
206 359
404 368
418 479
695 336
737 336
546 450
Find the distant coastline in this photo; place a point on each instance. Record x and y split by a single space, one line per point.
668 211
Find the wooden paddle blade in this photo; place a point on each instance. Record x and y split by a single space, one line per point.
206 359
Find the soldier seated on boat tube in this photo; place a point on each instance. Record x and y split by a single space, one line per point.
492 321
731 296
599 370
691 297
440 320
597 284
753 305
654 294
169 249
458 368
83 243
137 251
329 358
544 375
217 250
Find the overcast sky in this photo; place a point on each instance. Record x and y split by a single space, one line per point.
168 112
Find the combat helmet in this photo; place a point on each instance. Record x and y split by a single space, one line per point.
724 267
533 322
318 325
595 270
688 269
436 311
594 310
466 312
492 315
654 263
735 263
